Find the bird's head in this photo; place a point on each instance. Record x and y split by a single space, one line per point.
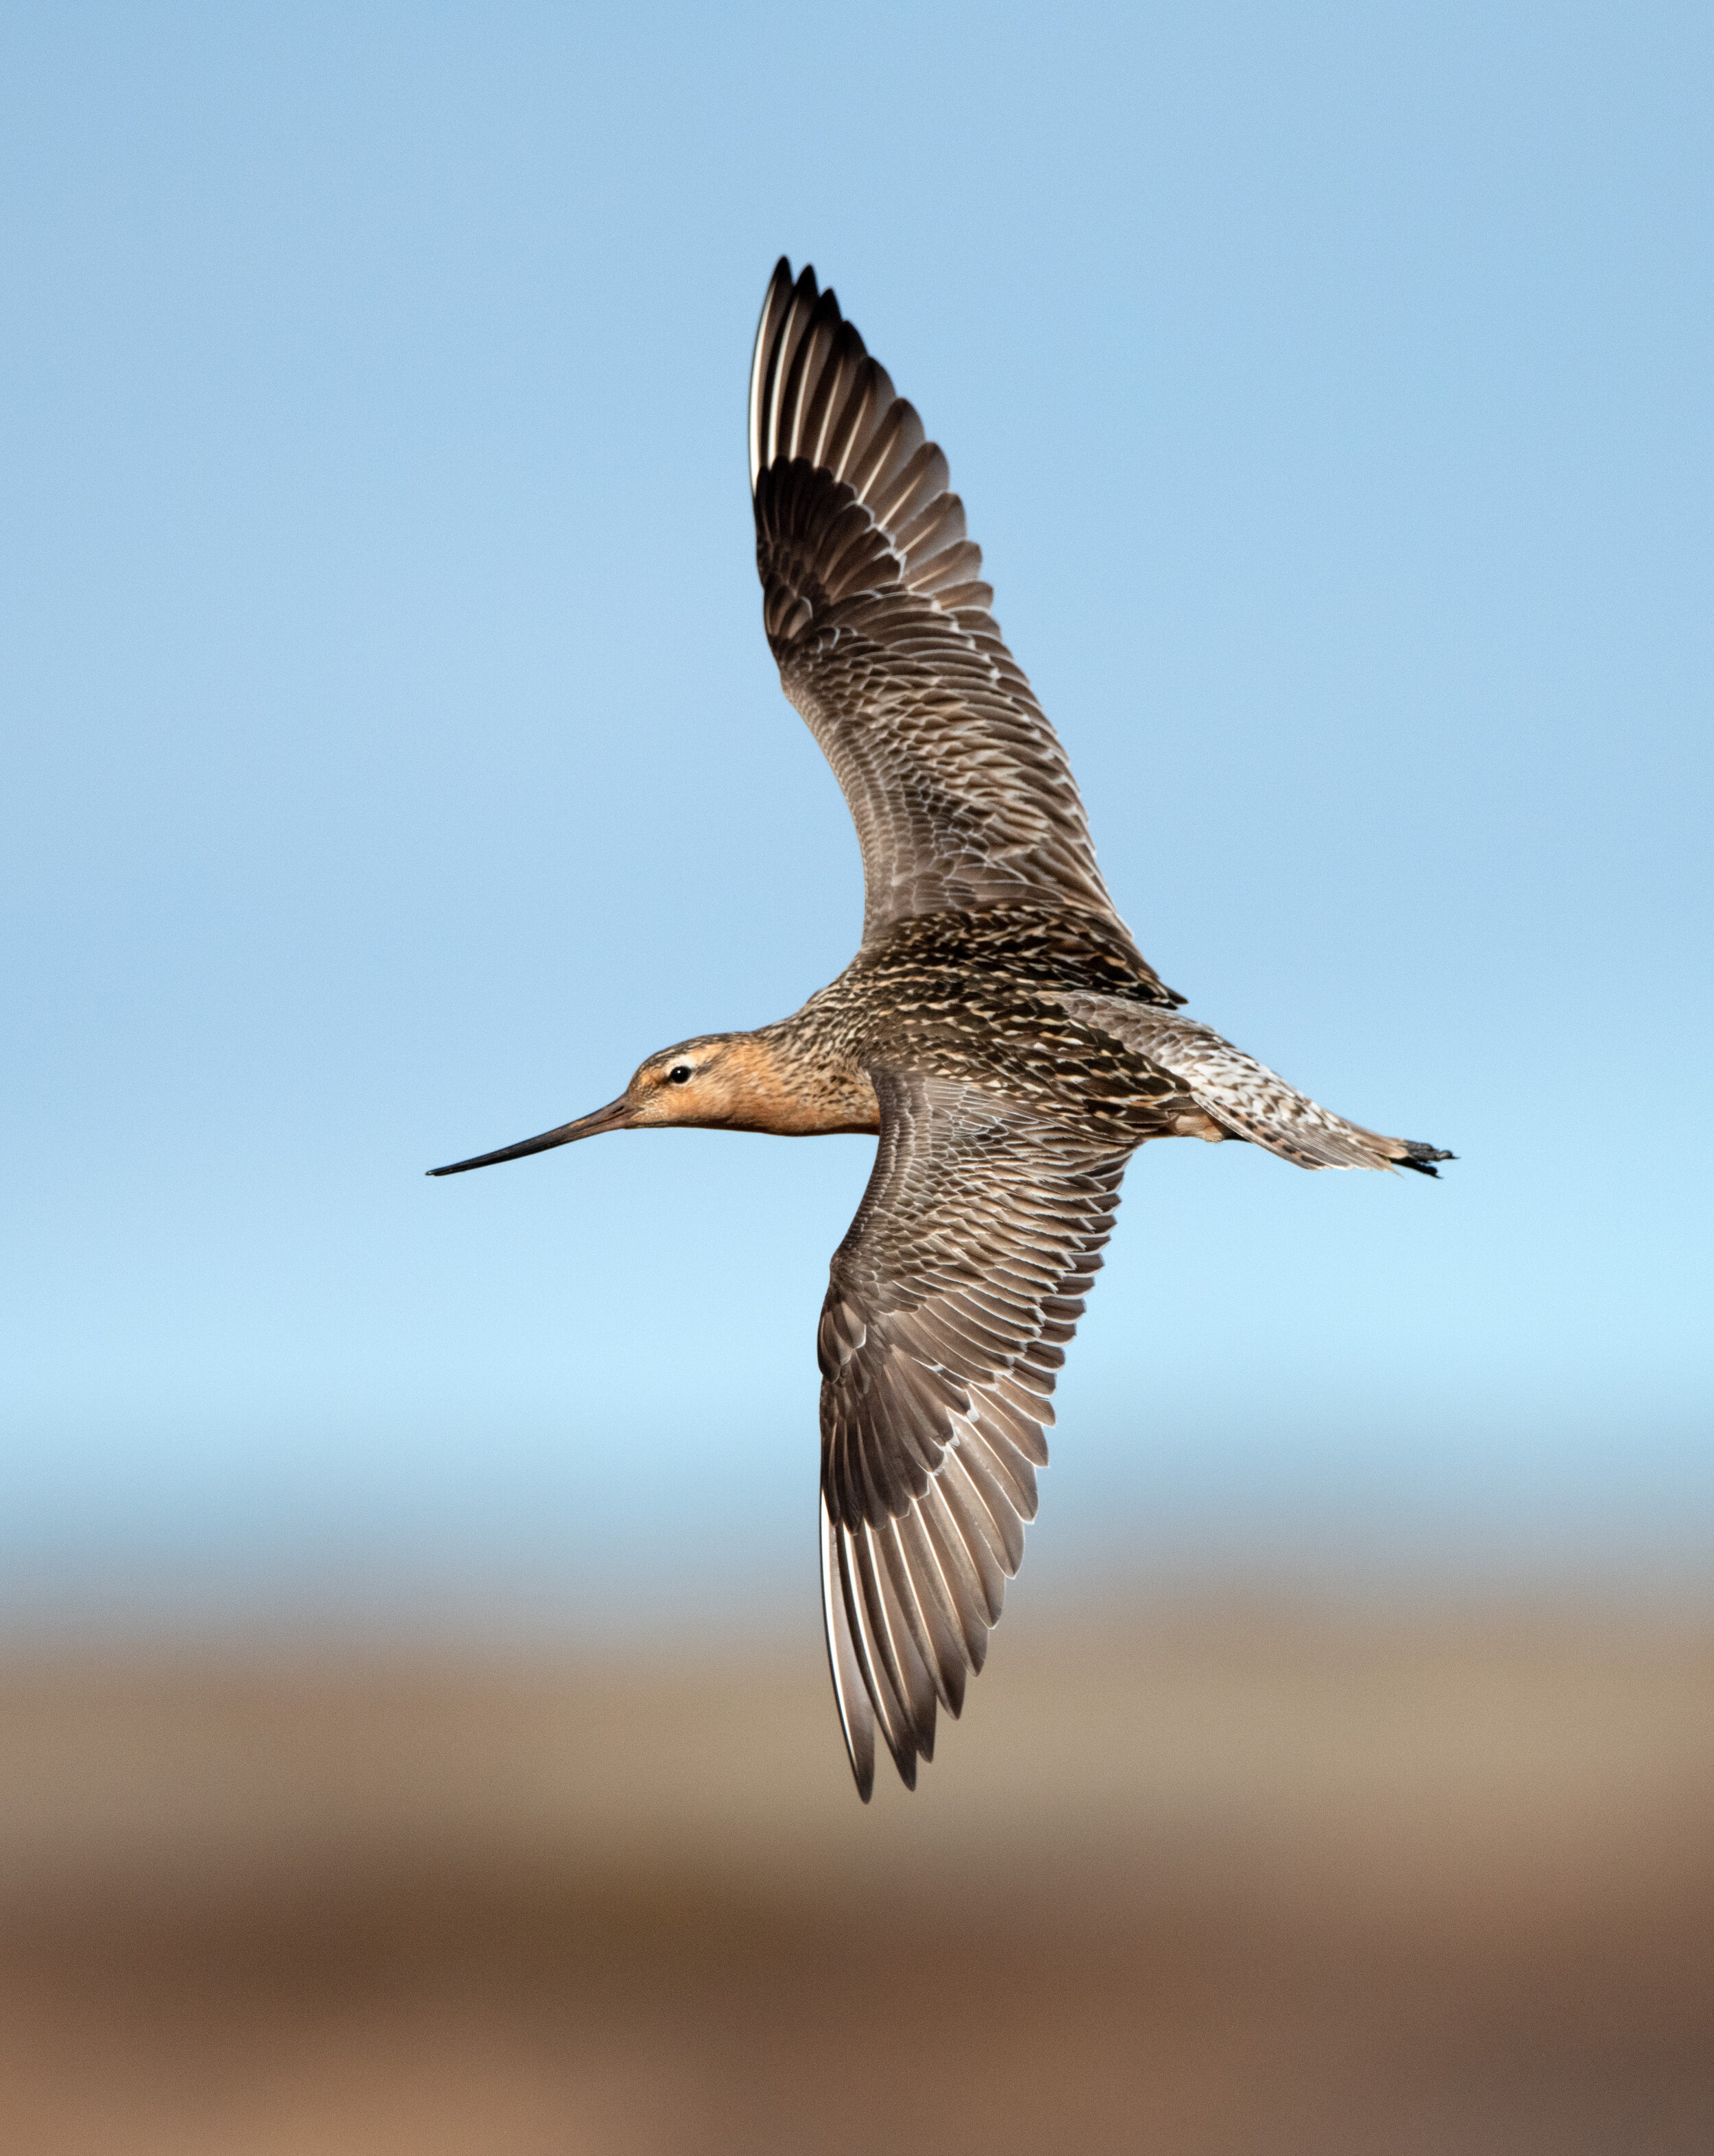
714 1083
721 1081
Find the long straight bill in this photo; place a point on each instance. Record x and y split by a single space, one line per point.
614 1116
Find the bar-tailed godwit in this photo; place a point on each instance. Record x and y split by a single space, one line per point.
998 1031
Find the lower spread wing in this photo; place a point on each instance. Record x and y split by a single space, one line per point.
949 1304
877 618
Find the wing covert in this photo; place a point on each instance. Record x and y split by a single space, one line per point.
882 625
948 1307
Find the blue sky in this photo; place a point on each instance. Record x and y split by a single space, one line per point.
395 759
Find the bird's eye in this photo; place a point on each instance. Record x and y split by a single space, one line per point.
680 1075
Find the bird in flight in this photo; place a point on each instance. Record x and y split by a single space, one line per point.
998 1031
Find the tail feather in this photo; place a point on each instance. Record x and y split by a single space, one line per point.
1243 1097
1412 1153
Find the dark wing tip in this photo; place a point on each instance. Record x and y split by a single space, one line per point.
789 301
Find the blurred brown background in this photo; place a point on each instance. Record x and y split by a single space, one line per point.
1210 1876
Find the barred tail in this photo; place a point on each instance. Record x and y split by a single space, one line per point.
1243 1097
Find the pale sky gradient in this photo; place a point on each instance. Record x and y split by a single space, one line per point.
394 758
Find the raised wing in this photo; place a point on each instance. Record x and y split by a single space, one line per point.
876 612
950 1303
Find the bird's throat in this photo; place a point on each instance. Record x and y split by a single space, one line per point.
765 1084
